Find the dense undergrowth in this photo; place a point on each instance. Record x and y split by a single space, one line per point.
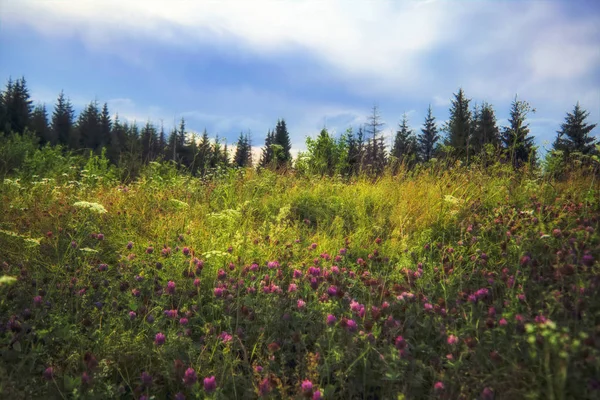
450 283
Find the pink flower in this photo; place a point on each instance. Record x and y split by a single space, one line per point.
159 339
307 387
183 321
400 343
427 307
332 291
292 288
190 377
331 320
351 325
439 386
218 292
210 384
452 340
301 304
503 322
171 287
264 387
317 395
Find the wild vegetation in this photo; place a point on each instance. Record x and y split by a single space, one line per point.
422 278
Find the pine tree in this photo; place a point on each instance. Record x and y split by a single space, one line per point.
353 156
266 158
88 127
405 144
429 137
375 154
162 142
40 125
17 106
243 152
204 153
517 142
105 127
149 138
458 127
574 133
485 130
118 138
282 138
63 121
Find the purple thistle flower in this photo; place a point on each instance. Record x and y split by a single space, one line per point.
48 373
171 287
149 249
183 321
307 387
503 322
132 315
439 386
273 264
190 377
487 394
317 395
146 379
427 307
452 340
37 301
351 325
301 304
587 260
400 343
218 292
102 267
159 339
264 387
74 244
129 245
186 251
171 314
332 291
210 384
150 318
225 337
197 282
331 319
297 274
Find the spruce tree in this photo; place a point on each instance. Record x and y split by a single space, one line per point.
204 153
88 127
485 130
149 138
118 135
282 138
375 154
405 144
574 134
105 127
17 106
243 153
353 148
517 142
427 140
458 127
63 121
162 142
40 125
266 157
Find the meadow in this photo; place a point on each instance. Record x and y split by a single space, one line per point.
449 283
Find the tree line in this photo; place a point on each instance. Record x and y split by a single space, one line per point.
470 134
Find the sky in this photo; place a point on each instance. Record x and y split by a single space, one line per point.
238 66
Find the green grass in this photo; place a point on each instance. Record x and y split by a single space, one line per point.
524 246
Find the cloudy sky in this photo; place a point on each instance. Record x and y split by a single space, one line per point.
237 65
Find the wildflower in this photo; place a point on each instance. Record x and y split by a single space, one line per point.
48 373
190 377
521 297
258 369
225 337
102 267
427 307
171 314
132 315
171 287
218 292
335 270
351 325
129 245
587 260
264 387
301 304
331 320
273 347
313 246
179 396
503 322
491 312
317 395
197 282
210 384
150 318
74 244
400 343
292 288
487 394
146 379
221 275
85 378
183 321
307 387
343 251
332 291
272 264
37 301
186 251
452 340
439 386
149 250
159 339
100 236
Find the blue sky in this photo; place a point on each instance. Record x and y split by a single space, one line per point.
232 66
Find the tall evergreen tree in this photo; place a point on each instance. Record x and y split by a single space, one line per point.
282 138
162 141
89 128
2 111
204 153
517 142
63 121
243 152
266 157
375 154
149 138
17 106
428 139
574 134
485 130
105 127
405 144
118 138
458 127
353 156
40 125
